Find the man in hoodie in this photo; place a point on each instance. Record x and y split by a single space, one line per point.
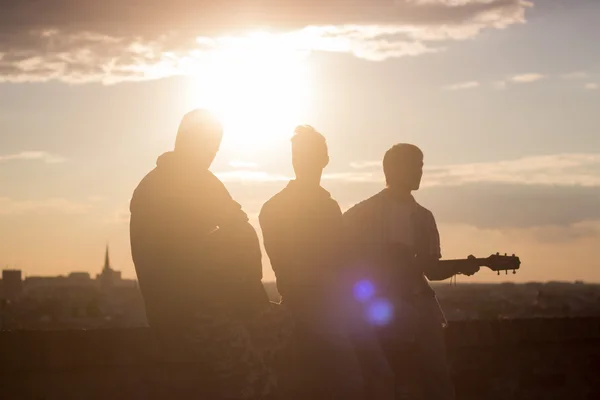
198 262
303 237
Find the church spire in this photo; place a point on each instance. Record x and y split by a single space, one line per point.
108 277
107 260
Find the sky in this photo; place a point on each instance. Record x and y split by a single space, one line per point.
501 95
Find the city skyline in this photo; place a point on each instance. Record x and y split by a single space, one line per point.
501 95
106 271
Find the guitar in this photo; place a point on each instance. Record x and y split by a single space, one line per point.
495 262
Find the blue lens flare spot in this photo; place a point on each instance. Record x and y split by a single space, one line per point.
380 312
363 290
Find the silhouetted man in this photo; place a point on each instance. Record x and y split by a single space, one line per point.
397 241
304 238
198 262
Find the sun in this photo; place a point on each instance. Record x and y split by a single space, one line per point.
257 85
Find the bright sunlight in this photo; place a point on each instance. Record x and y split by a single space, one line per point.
258 86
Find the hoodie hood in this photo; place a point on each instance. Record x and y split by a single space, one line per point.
174 177
166 159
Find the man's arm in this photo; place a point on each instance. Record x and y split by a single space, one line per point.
439 270
358 247
235 249
435 269
276 245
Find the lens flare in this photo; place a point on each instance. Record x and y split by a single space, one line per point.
363 290
380 312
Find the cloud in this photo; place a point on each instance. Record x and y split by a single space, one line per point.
33 155
556 169
10 206
463 85
250 176
527 78
502 205
558 234
96 199
85 41
582 169
350 176
548 252
524 78
576 75
499 85
555 191
366 164
488 205
559 190
118 217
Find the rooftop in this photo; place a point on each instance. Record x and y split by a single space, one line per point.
516 359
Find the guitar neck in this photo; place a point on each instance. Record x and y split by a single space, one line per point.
494 262
480 262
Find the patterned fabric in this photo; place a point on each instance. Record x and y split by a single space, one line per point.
240 354
368 226
413 341
368 222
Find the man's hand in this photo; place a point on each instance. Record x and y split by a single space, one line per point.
471 268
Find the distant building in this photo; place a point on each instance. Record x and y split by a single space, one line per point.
80 277
108 278
34 283
44 286
12 283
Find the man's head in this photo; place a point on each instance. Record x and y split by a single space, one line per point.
403 167
199 137
309 153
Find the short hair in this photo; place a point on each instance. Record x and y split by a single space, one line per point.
199 124
396 155
308 137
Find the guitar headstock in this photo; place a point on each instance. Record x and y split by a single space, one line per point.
497 262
